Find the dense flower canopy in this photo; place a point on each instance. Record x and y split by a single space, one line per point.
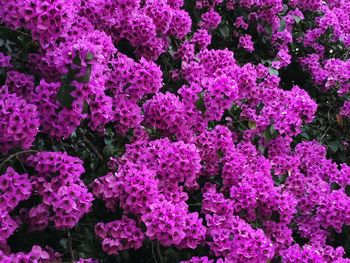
186 131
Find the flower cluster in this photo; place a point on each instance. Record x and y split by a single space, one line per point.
5 61
37 254
220 94
246 43
173 226
107 189
14 188
65 197
137 187
345 110
296 253
56 124
134 79
147 184
119 235
19 83
199 260
329 73
19 122
166 113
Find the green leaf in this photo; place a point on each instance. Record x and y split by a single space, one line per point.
273 71
86 77
297 19
64 242
280 179
64 96
200 103
268 30
89 57
261 148
285 8
293 46
333 146
234 108
305 135
282 25
273 132
252 125
8 47
76 60
108 140
270 133
85 107
224 32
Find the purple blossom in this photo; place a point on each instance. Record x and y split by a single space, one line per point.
119 235
19 122
246 43
203 133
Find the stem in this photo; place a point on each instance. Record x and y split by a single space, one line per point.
154 256
325 133
330 124
24 169
90 146
21 51
159 254
71 252
238 120
16 155
196 204
16 30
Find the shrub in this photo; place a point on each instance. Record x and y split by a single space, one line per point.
174 131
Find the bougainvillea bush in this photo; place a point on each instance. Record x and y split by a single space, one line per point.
190 131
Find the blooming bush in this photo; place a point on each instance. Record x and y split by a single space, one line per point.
212 131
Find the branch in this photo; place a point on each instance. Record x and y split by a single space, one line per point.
159 254
16 30
71 252
15 155
238 120
154 256
90 145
